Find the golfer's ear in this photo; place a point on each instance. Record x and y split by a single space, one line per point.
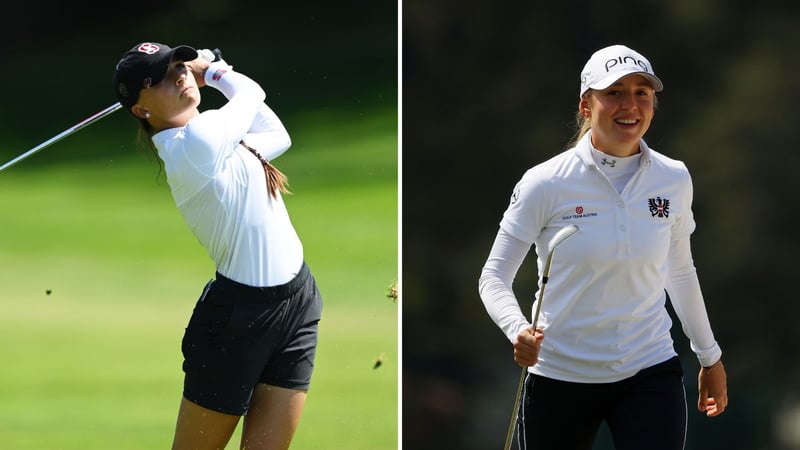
583 107
140 111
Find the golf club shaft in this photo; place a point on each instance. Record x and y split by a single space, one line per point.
63 134
511 426
558 238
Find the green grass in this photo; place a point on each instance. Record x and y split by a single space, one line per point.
96 363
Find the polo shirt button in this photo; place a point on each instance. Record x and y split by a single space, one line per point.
620 204
622 228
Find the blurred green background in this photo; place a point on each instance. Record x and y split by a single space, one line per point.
491 89
98 272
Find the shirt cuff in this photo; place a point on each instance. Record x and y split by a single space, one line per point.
215 71
709 356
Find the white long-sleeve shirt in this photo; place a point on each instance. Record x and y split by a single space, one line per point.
220 187
603 312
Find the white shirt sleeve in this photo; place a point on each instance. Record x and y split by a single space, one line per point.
245 96
496 281
211 137
267 134
683 287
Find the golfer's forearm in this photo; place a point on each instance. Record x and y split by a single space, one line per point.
683 287
495 284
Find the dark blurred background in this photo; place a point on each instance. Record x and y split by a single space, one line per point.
313 58
490 89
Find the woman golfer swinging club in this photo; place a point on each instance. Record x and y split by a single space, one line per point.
250 343
603 351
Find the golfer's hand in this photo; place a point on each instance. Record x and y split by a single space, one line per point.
198 68
206 54
712 384
527 345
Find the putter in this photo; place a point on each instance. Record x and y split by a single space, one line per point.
559 237
86 122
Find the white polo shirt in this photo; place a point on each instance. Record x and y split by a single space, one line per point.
220 187
603 312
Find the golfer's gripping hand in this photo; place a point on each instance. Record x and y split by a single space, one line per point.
527 345
198 66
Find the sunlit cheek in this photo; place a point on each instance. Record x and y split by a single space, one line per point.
650 110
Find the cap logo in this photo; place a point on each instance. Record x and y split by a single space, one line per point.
608 65
147 82
123 90
149 48
625 60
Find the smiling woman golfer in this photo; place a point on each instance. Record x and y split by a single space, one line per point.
250 343
603 350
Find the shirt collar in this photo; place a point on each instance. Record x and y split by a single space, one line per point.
583 149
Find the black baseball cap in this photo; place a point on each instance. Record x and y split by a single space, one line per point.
143 66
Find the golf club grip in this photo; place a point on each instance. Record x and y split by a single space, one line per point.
545 278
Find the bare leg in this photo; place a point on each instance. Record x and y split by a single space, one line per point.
202 428
273 417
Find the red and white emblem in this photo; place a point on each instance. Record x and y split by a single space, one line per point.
149 48
218 74
579 210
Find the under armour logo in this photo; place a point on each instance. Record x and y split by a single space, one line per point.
606 162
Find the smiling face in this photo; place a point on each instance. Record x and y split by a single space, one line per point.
620 114
172 102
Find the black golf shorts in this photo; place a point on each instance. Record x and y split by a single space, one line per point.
241 335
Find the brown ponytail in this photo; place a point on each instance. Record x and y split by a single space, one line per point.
276 180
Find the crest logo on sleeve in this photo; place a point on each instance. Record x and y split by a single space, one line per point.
658 207
515 195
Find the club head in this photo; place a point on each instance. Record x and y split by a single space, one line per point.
560 236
